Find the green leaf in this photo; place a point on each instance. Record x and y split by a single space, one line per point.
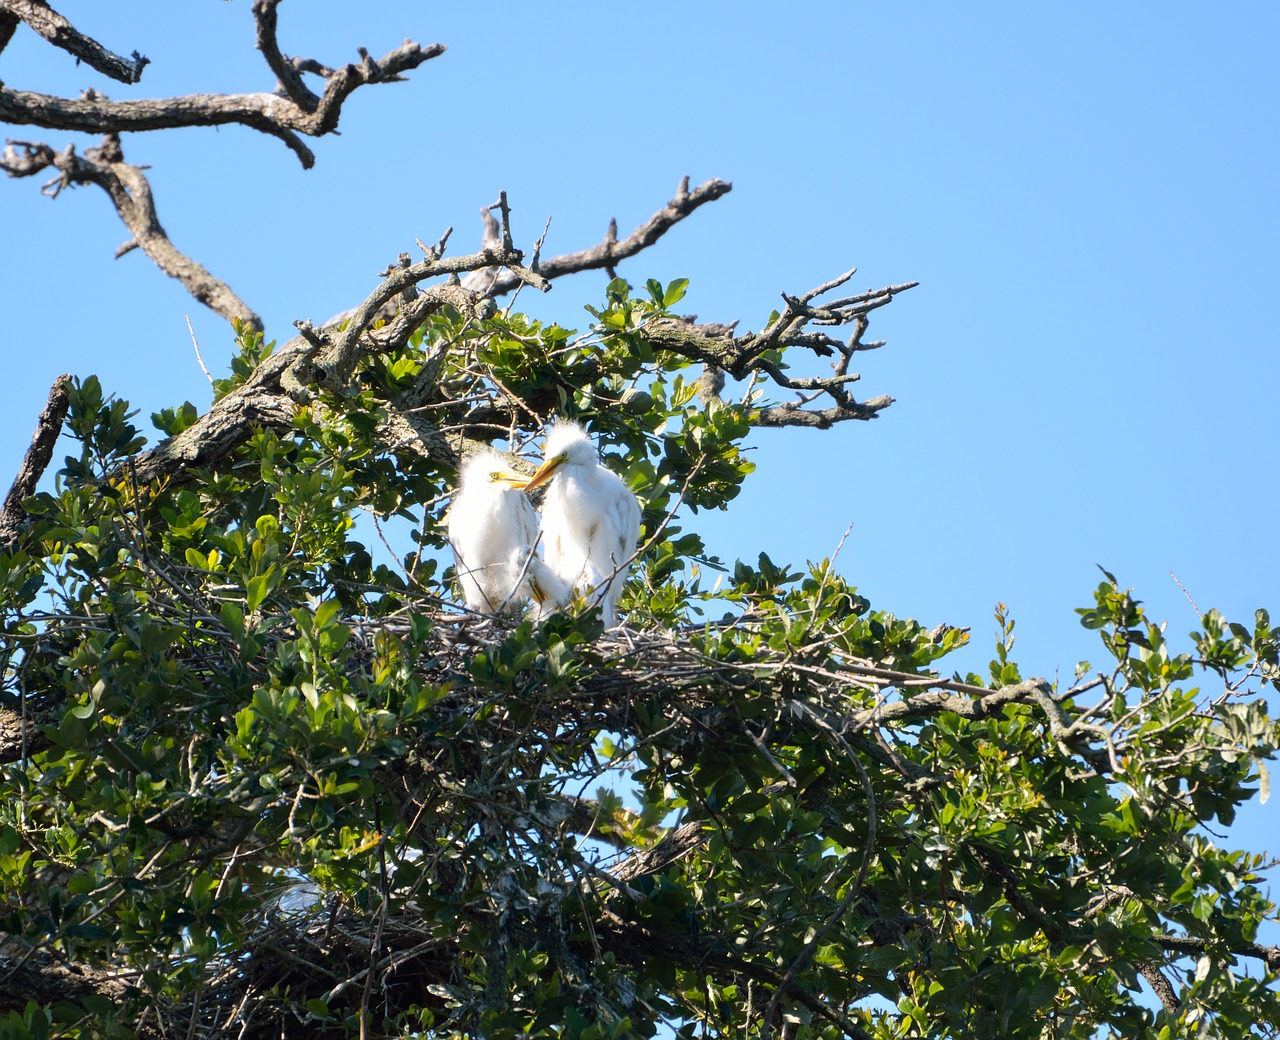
675 292
326 613
259 587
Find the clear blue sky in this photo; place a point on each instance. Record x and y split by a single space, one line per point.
1087 194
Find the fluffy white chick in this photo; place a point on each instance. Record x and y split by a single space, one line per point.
490 521
590 518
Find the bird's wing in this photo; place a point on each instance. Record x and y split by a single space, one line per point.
526 521
624 515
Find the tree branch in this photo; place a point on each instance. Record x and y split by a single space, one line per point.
131 194
1152 973
325 355
610 251
61 33
321 357
281 117
48 427
1189 945
606 254
756 353
674 846
8 26
287 74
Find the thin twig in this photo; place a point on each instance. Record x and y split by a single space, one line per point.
196 344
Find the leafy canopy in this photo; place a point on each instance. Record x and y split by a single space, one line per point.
264 777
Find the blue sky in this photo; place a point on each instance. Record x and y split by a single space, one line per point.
1086 192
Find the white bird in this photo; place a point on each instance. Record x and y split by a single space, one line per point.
590 518
490 522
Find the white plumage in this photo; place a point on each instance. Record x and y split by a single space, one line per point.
538 582
590 518
490 522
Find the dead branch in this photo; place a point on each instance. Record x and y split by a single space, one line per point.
8 26
610 251
130 193
607 253
340 356
288 75
283 117
756 353
325 357
61 33
292 111
48 426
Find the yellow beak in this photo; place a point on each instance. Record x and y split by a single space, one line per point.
512 480
545 472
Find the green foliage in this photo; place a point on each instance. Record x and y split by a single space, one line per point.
253 760
251 350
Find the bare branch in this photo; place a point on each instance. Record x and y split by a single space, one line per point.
281 117
741 356
131 194
287 74
48 426
820 418
8 26
1190 945
326 357
674 846
61 33
610 251
508 247
1152 973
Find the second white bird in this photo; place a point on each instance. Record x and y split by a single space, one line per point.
590 518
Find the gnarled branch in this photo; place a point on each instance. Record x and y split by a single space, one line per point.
288 75
61 33
131 195
48 427
281 117
295 110
325 355
743 356
610 251
8 26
